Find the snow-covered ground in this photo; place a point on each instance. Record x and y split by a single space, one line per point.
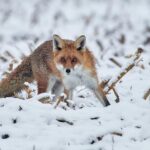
114 29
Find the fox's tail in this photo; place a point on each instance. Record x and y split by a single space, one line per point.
14 82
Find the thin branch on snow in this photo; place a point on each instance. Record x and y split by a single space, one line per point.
117 133
104 83
65 121
147 94
99 138
60 99
100 45
45 99
7 53
116 94
135 61
115 62
3 59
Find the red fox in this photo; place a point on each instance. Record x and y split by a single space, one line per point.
57 65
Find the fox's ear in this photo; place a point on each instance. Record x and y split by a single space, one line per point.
57 43
80 43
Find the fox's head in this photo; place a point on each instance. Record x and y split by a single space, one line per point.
68 55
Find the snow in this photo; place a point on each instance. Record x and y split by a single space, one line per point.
40 125
83 123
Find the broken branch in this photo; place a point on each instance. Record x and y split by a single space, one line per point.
60 99
116 94
45 99
115 62
126 70
146 94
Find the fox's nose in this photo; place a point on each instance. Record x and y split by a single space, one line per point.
68 70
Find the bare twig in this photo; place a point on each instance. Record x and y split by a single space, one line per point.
104 83
98 42
126 70
9 54
99 138
3 59
115 62
45 99
65 121
122 39
60 99
147 94
117 133
116 94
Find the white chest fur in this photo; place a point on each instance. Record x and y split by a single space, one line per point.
75 79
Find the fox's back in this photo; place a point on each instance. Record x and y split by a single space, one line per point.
43 52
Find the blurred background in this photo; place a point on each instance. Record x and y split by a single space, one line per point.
106 23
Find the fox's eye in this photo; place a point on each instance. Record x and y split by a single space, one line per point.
74 60
63 60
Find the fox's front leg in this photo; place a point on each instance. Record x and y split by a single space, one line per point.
42 86
68 93
103 96
57 89
45 83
